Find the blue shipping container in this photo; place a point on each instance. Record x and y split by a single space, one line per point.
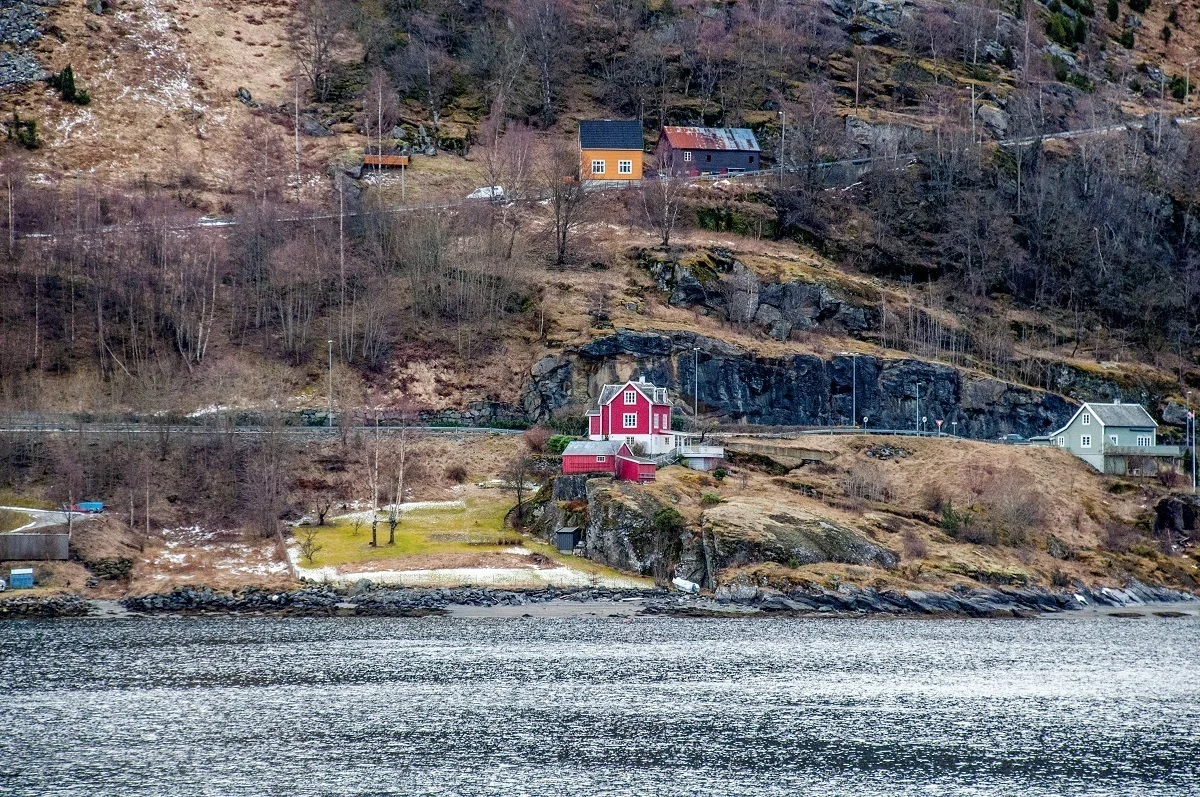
21 578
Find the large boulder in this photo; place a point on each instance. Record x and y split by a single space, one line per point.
747 531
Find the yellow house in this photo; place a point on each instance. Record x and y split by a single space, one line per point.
610 150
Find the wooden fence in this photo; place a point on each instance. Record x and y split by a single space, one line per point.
24 547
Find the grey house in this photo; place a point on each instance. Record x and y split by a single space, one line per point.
708 150
1120 439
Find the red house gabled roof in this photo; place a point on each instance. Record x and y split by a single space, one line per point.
655 395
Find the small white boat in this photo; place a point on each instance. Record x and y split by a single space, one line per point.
683 585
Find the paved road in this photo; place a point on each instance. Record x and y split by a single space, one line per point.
315 432
905 158
41 518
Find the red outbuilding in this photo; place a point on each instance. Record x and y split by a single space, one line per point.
607 456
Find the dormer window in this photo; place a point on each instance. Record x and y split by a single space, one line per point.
630 396
1086 420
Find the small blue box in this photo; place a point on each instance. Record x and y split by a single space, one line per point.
21 578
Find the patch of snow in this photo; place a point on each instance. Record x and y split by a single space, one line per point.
407 506
512 577
84 118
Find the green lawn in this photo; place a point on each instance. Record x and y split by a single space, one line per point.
477 527
10 520
11 498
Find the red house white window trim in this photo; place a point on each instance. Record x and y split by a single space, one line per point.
629 420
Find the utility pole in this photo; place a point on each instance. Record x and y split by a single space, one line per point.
296 133
857 70
854 390
973 139
782 143
1191 441
329 418
853 386
917 418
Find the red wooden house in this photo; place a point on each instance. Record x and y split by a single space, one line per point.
636 413
607 456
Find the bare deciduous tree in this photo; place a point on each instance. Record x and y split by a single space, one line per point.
662 199
315 31
558 175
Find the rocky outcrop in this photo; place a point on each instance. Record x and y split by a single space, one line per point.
848 599
739 534
1177 519
718 283
627 527
621 531
737 385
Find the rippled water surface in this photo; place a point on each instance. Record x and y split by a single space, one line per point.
441 706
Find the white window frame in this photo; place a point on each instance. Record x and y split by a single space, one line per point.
1062 441
687 156
624 167
629 420
601 458
1086 419
657 421
1085 441
1112 438
631 397
630 440
597 167
1145 440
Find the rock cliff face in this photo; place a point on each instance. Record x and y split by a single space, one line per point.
736 385
720 284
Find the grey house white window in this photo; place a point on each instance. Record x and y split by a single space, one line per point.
1085 441
1143 440
1086 419
1112 438
1062 441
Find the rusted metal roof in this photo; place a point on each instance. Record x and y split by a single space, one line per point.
735 139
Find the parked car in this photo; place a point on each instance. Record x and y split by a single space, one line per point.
493 192
3 585
1011 438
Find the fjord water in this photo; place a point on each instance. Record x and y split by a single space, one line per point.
595 706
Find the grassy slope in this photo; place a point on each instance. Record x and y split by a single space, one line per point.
1076 507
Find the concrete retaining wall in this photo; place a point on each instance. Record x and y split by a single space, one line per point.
28 547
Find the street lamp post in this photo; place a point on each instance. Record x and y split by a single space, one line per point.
1190 441
329 419
853 386
917 418
954 425
782 143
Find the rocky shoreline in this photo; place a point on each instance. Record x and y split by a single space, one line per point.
850 600
741 600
